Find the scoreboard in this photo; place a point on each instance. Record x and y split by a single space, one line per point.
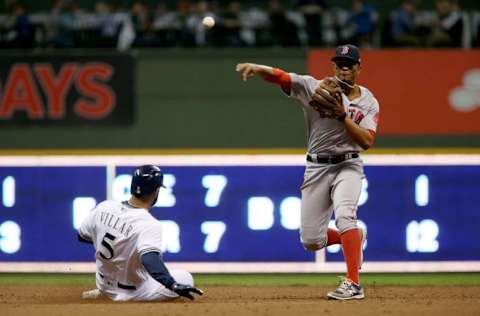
245 210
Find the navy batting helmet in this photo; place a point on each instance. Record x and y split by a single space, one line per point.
146 179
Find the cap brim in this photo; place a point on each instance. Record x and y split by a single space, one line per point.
335 58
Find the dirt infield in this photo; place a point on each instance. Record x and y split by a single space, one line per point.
249 300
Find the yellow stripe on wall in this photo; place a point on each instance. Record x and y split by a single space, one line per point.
221 151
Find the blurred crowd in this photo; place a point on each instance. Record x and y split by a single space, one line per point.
188 23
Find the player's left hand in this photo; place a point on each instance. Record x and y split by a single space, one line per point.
327 99
185 290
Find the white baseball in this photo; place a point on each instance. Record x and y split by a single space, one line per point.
208 21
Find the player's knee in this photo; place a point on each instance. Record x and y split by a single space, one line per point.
314 245
345 223
311 247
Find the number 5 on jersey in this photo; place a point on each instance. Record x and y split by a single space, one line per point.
107 246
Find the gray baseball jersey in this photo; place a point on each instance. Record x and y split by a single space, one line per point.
329 188
326 136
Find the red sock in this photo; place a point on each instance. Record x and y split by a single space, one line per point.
333 237
351 252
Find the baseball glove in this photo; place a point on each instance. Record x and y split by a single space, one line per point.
327 99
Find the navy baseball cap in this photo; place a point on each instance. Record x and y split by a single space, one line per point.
348 51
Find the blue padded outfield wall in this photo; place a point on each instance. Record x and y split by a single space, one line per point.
244 213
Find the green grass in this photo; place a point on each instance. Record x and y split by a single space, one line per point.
332 279
400 279
46 278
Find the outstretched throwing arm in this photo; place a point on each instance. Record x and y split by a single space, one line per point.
274 75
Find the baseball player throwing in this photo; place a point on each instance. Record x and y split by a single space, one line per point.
127 241
341 120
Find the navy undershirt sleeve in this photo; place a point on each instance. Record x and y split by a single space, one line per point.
153 263
81 239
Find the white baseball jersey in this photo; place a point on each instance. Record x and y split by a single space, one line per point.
328 136
121 234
